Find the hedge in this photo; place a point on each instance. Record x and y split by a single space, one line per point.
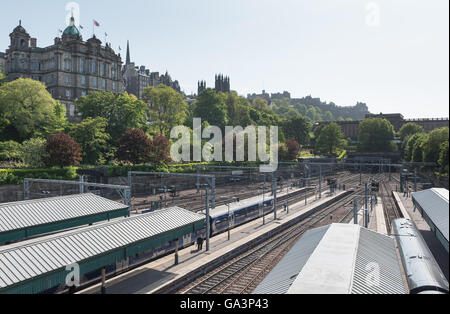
16 176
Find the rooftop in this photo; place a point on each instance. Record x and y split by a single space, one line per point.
337 259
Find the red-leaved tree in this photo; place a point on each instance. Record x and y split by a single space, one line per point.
63 151
160 149
293 148
135 147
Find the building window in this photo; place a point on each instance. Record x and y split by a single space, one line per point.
114 86
113 73
68 93
94 67
104 84
67 65
83 93
95 82
83 80
68 79
82 65
103 67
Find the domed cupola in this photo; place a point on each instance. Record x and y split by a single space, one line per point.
71 32
20 39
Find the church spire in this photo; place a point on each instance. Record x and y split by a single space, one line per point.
128 52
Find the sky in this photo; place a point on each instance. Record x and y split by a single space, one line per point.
392 55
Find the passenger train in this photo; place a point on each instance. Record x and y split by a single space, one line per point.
239 213
422 271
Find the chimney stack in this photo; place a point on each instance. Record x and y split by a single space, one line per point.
33 42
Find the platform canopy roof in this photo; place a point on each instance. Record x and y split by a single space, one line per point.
337 259
23 219
433 204
31 266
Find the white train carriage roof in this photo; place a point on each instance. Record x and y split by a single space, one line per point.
223 209
337 259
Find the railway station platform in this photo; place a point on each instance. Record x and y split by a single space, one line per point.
436 248
161 273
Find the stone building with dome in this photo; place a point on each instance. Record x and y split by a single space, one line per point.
70 68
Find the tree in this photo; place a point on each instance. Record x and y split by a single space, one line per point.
10 151
312 114
409 129
27 110
261 104
92 136
432 144
121 111
160 149
375 135
63 151
2 77
328 116
408 153
331 138
443 158
418 148
210 107
135 147
293 148
33 152
238 110
297 128
167 107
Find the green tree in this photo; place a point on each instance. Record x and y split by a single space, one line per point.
328 116
375 135
160 152
210 107
2 77
418 148
409 129
443 158
297 128
10 151
261 104
330 140
238 110
311 113
167 107
432 144
122 111
408 153
91 135
27 110
63 151
34 153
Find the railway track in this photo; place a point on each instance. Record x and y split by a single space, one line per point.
390 209
243 273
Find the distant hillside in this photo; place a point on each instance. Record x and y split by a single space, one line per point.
316 110
357 112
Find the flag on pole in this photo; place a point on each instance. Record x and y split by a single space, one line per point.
81 27
96 23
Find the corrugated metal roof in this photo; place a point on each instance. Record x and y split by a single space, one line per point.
20 215
23 262
339 258
286 271
377 269
434 203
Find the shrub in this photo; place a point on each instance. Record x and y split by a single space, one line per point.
33 152
10 151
